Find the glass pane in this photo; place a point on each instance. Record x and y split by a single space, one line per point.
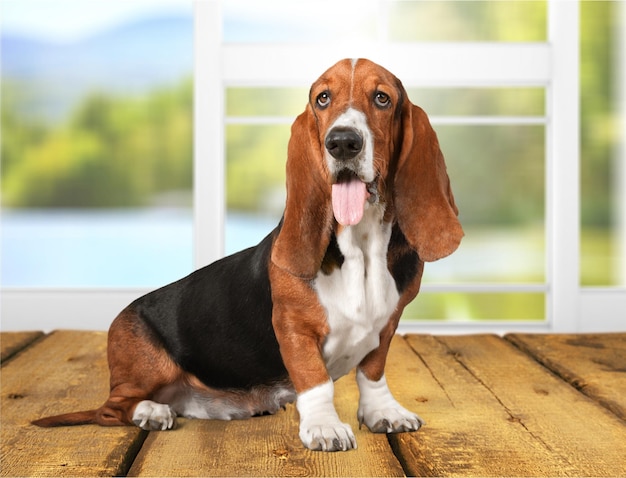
97 102
255 182
304 21
476 306
480 101
308 21
268 101
94 248
507 21
603 145
497 175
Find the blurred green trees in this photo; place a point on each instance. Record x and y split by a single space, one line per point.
111 151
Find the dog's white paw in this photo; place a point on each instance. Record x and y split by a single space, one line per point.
320 427
332 435
150 415
390 420
380 412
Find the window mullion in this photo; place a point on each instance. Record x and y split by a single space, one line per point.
563 167
209 193
448 64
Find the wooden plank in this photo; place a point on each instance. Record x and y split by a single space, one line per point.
493 411
65 371
593 363
264 446
12 342
467 431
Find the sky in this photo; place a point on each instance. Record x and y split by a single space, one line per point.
69 20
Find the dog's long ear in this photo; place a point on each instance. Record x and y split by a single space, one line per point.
425 206
306 226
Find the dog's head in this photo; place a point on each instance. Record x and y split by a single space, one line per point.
361 141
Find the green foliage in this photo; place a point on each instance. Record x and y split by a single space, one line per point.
599 125
112 152
255 167
483 306
497 172
266 101
462 20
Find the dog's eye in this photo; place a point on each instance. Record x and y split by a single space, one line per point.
381 99
323 99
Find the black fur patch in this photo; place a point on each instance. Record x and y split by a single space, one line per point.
216 323
333 258
403 260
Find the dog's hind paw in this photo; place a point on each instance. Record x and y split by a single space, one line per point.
150 415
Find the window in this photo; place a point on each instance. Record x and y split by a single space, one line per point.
492 132
505 115
500 81
97 102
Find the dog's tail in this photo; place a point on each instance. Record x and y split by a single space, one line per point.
87 417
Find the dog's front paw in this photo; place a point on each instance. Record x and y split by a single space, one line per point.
320 427
380 411
331 435
394 419
150 415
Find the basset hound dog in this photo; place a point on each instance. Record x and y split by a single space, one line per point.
368 202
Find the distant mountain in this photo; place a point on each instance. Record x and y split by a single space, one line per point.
132 58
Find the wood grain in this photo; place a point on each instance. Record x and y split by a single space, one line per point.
593 363
66 371
12 342
493 411
264 446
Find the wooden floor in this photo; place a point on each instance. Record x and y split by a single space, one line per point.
522 405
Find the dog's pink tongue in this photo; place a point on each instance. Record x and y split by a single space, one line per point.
348 201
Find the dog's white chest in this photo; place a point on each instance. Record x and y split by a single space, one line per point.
360 296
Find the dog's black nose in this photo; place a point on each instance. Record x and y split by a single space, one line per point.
343 143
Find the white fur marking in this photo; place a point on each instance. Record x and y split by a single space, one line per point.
320 427
360 296
188 402
380 411
363 163
196 405
150 415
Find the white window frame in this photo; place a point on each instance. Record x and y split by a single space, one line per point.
553 64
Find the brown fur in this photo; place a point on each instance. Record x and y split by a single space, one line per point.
300 325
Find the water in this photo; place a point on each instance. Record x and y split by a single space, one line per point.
108 248
152 247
